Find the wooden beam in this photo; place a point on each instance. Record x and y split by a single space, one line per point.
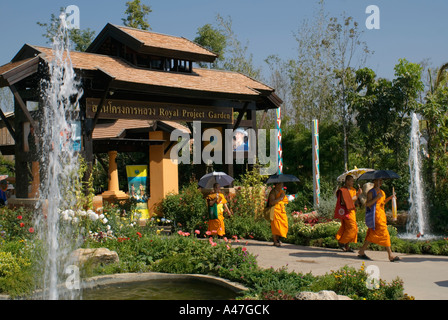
103 99
169 147
263 118
240 116
23 107
8 125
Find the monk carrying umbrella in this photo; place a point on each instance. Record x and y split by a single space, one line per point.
345 210
376 220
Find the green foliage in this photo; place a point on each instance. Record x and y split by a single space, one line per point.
6 167
81 39
352 283
212 39
16 272
233 55
187 209
250 198
136 15
248 228
16 224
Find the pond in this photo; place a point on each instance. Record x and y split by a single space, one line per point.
161 289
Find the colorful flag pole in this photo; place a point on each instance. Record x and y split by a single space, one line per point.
316 175
279 144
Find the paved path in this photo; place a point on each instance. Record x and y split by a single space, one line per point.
425 276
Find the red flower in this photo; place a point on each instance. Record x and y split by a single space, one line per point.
139 234
21 224
19 217
31 230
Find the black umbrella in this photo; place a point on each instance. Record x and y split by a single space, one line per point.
210 179
379 174
277 178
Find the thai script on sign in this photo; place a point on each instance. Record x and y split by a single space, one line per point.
120 109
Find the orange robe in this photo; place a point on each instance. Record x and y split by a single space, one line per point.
217 226
279 226
380 235
348 232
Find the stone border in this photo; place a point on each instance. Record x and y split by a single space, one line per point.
99 281
113 279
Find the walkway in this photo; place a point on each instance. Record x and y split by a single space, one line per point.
425 276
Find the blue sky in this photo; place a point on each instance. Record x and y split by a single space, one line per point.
411 29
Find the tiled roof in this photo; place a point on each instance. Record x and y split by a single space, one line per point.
10 66
162 41
207 80
117 128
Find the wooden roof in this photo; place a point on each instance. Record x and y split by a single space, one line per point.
153 43
200 81
204 84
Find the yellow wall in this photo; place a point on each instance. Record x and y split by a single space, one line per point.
163 173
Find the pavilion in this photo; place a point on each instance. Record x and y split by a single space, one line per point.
138 87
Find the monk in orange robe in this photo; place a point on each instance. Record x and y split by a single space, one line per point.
379 233
348 232
279 225
217 226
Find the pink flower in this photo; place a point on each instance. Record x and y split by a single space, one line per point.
244 249
208 233
213 244
186 234
225 239
31 230
227 246
180 232
197 232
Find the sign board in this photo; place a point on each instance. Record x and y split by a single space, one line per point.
142 110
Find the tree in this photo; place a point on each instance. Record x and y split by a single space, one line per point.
234 55
434 111
136 15
80 39
345 41
383 110
310 72
212 39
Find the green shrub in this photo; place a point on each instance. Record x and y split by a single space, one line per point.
16 270
187 209
251 195
16 224
352 283
248 228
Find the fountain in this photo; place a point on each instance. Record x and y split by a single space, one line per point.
59 96
417 224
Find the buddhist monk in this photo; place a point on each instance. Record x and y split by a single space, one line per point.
216 226
348 232
376 221
279 226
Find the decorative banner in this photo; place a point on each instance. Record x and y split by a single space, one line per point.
137 176
316 175
279 144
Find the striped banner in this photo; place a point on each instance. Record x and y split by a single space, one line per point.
316 175
279 144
